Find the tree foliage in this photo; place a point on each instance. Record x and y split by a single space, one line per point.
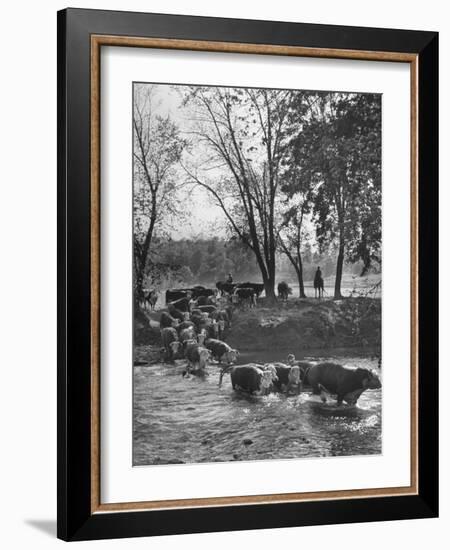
337 153
242 133
157 151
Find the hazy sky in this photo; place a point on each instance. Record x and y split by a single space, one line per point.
204 219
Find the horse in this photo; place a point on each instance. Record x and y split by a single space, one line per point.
318 286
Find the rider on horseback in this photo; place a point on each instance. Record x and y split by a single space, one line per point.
318 283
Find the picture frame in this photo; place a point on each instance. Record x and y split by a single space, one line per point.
81 35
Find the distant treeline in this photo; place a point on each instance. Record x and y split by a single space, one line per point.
206 261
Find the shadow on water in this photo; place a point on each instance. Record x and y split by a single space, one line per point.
185 420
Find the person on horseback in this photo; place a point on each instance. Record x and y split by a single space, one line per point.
318 283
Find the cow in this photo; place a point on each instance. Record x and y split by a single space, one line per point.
150 299
197 357
284 290
221 315
176 313
185 324
201 291
257 287
198 321
229 310
188 343
303 365
182 304
187 334
346 383
222 325
212 329
201 337
288 377
166 320
177 293
206 300
221 351
250 378
225 288
170 343
207 309
244 297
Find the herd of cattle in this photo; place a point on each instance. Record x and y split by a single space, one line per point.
323 379
195 326
239 294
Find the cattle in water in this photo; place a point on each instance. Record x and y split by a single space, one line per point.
346 383
187 334
288 377
284 290
222 315
185 324
244 297
250 378
198 321
257 287
221 351
209 326
166 320
201 337
197 357
304 366
170 342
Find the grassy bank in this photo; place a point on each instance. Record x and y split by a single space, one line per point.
309 324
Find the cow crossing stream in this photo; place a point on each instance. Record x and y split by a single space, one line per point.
191 420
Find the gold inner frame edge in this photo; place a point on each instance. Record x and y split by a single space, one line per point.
97 41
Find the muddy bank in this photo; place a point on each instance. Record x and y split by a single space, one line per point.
146 328
303 324
309 325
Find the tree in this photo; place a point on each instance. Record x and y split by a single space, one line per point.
240 137
338 152
157 150
291 239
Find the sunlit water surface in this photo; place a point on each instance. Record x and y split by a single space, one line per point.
179 420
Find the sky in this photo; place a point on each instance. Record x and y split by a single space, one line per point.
205 219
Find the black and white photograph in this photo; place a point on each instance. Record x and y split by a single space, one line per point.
257 274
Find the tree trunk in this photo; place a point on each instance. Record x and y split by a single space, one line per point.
298 266
301 285
339 266
269 288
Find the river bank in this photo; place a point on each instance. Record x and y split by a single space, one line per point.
297 325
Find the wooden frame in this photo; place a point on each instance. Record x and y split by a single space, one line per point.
81 34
